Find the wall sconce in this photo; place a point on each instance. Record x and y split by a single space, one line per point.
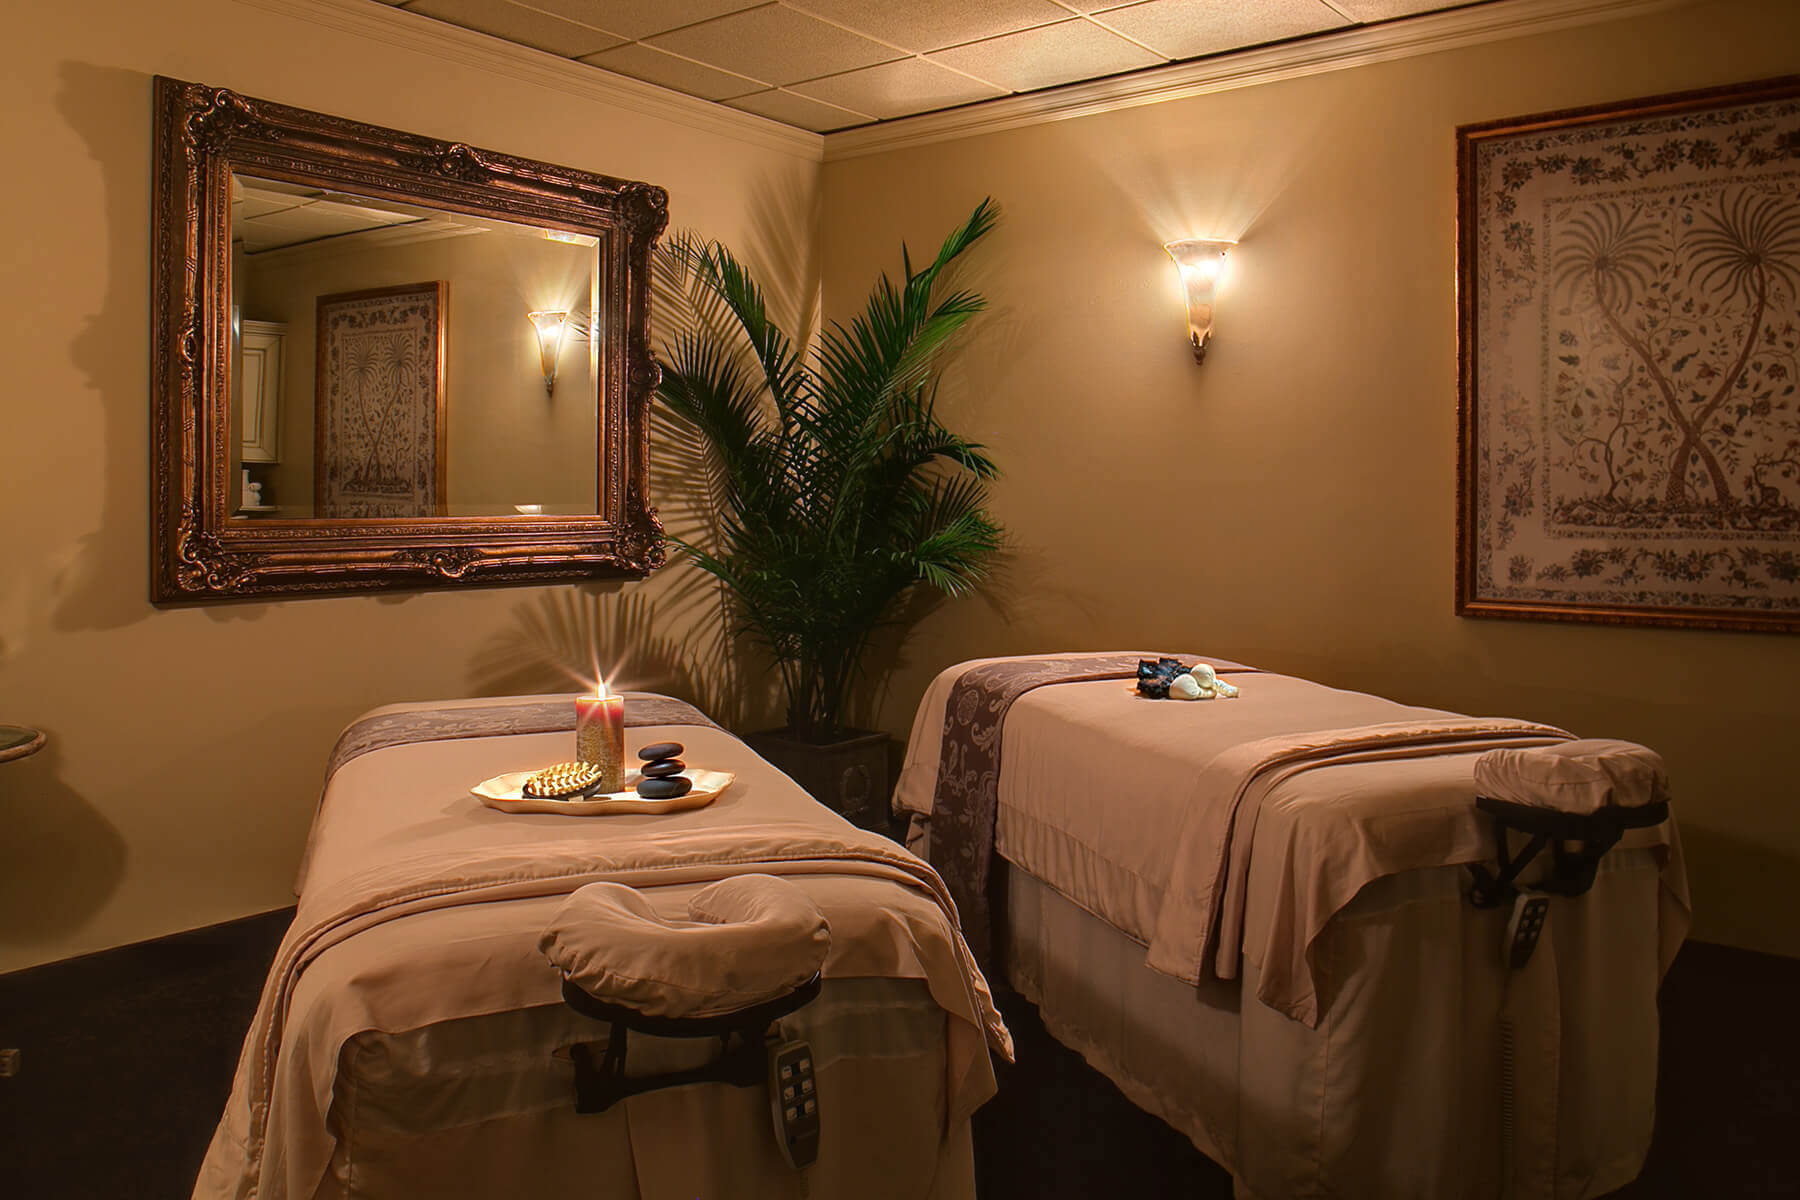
550 326
1201 263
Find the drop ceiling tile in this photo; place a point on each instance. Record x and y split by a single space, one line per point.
517 23
791 109
899 89
641 18
1190 28
936 23
1381 10
1047 56
781 45
656 66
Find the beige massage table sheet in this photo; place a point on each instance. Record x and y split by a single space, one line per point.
412 992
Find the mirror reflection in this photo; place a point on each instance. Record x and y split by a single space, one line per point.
393 361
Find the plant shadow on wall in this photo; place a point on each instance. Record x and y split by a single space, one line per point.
669 634
835 488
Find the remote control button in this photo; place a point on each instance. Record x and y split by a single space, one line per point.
806 1064
787 1072
793 1114
787 1093
810 1106
806 1087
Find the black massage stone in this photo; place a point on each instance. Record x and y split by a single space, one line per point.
661 750
665 789
662 768
1155 677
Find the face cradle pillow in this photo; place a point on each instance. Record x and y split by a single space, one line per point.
1575 777
750 939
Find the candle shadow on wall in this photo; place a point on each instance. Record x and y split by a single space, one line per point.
60 860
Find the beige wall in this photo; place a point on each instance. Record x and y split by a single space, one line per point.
507 442
186 744
1303 519
1291 502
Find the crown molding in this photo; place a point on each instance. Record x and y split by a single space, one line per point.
413 31
1406 37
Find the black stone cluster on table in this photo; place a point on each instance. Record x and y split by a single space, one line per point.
662 772
1155 676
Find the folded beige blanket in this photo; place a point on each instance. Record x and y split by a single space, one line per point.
752 938
1203 912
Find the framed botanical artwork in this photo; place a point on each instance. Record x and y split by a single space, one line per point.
378 414
1628 280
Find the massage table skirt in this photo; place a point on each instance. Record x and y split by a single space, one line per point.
1397 1092
481 1106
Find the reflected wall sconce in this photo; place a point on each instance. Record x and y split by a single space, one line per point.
551 328
1201 263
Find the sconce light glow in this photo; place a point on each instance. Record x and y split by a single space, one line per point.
1201 262
550 326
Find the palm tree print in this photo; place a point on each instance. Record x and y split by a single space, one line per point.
383 373
378 404
1678 359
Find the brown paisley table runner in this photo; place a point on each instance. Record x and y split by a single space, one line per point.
966 800
548 715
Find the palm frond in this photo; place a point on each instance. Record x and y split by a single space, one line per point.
842 489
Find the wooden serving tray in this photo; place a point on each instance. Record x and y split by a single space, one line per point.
504 793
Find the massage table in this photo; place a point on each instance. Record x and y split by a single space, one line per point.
427 1014
1254 916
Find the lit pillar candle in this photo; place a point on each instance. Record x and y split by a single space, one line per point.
600 736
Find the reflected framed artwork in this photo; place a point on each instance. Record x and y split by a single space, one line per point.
378 414
1628 285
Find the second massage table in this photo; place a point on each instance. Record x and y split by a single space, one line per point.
1253 915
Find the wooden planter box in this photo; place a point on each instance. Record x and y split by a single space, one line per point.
848 776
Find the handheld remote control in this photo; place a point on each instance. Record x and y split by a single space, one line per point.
794 1096
1524 926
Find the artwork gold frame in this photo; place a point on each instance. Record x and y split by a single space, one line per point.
414 379
203 135
1629 347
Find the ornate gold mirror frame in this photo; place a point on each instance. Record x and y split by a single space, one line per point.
198 552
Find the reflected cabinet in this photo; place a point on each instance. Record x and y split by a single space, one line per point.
351 359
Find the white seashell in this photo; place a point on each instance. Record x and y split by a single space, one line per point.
1204 673
1185 687
1227 690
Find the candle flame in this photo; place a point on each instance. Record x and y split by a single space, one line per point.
600 691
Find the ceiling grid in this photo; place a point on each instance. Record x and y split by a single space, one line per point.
830 65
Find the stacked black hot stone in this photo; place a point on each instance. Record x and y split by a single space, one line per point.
662 772
1154 677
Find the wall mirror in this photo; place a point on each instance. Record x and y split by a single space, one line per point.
387 361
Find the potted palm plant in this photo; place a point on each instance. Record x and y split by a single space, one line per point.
839 492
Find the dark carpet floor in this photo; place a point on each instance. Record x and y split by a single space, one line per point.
128 1056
